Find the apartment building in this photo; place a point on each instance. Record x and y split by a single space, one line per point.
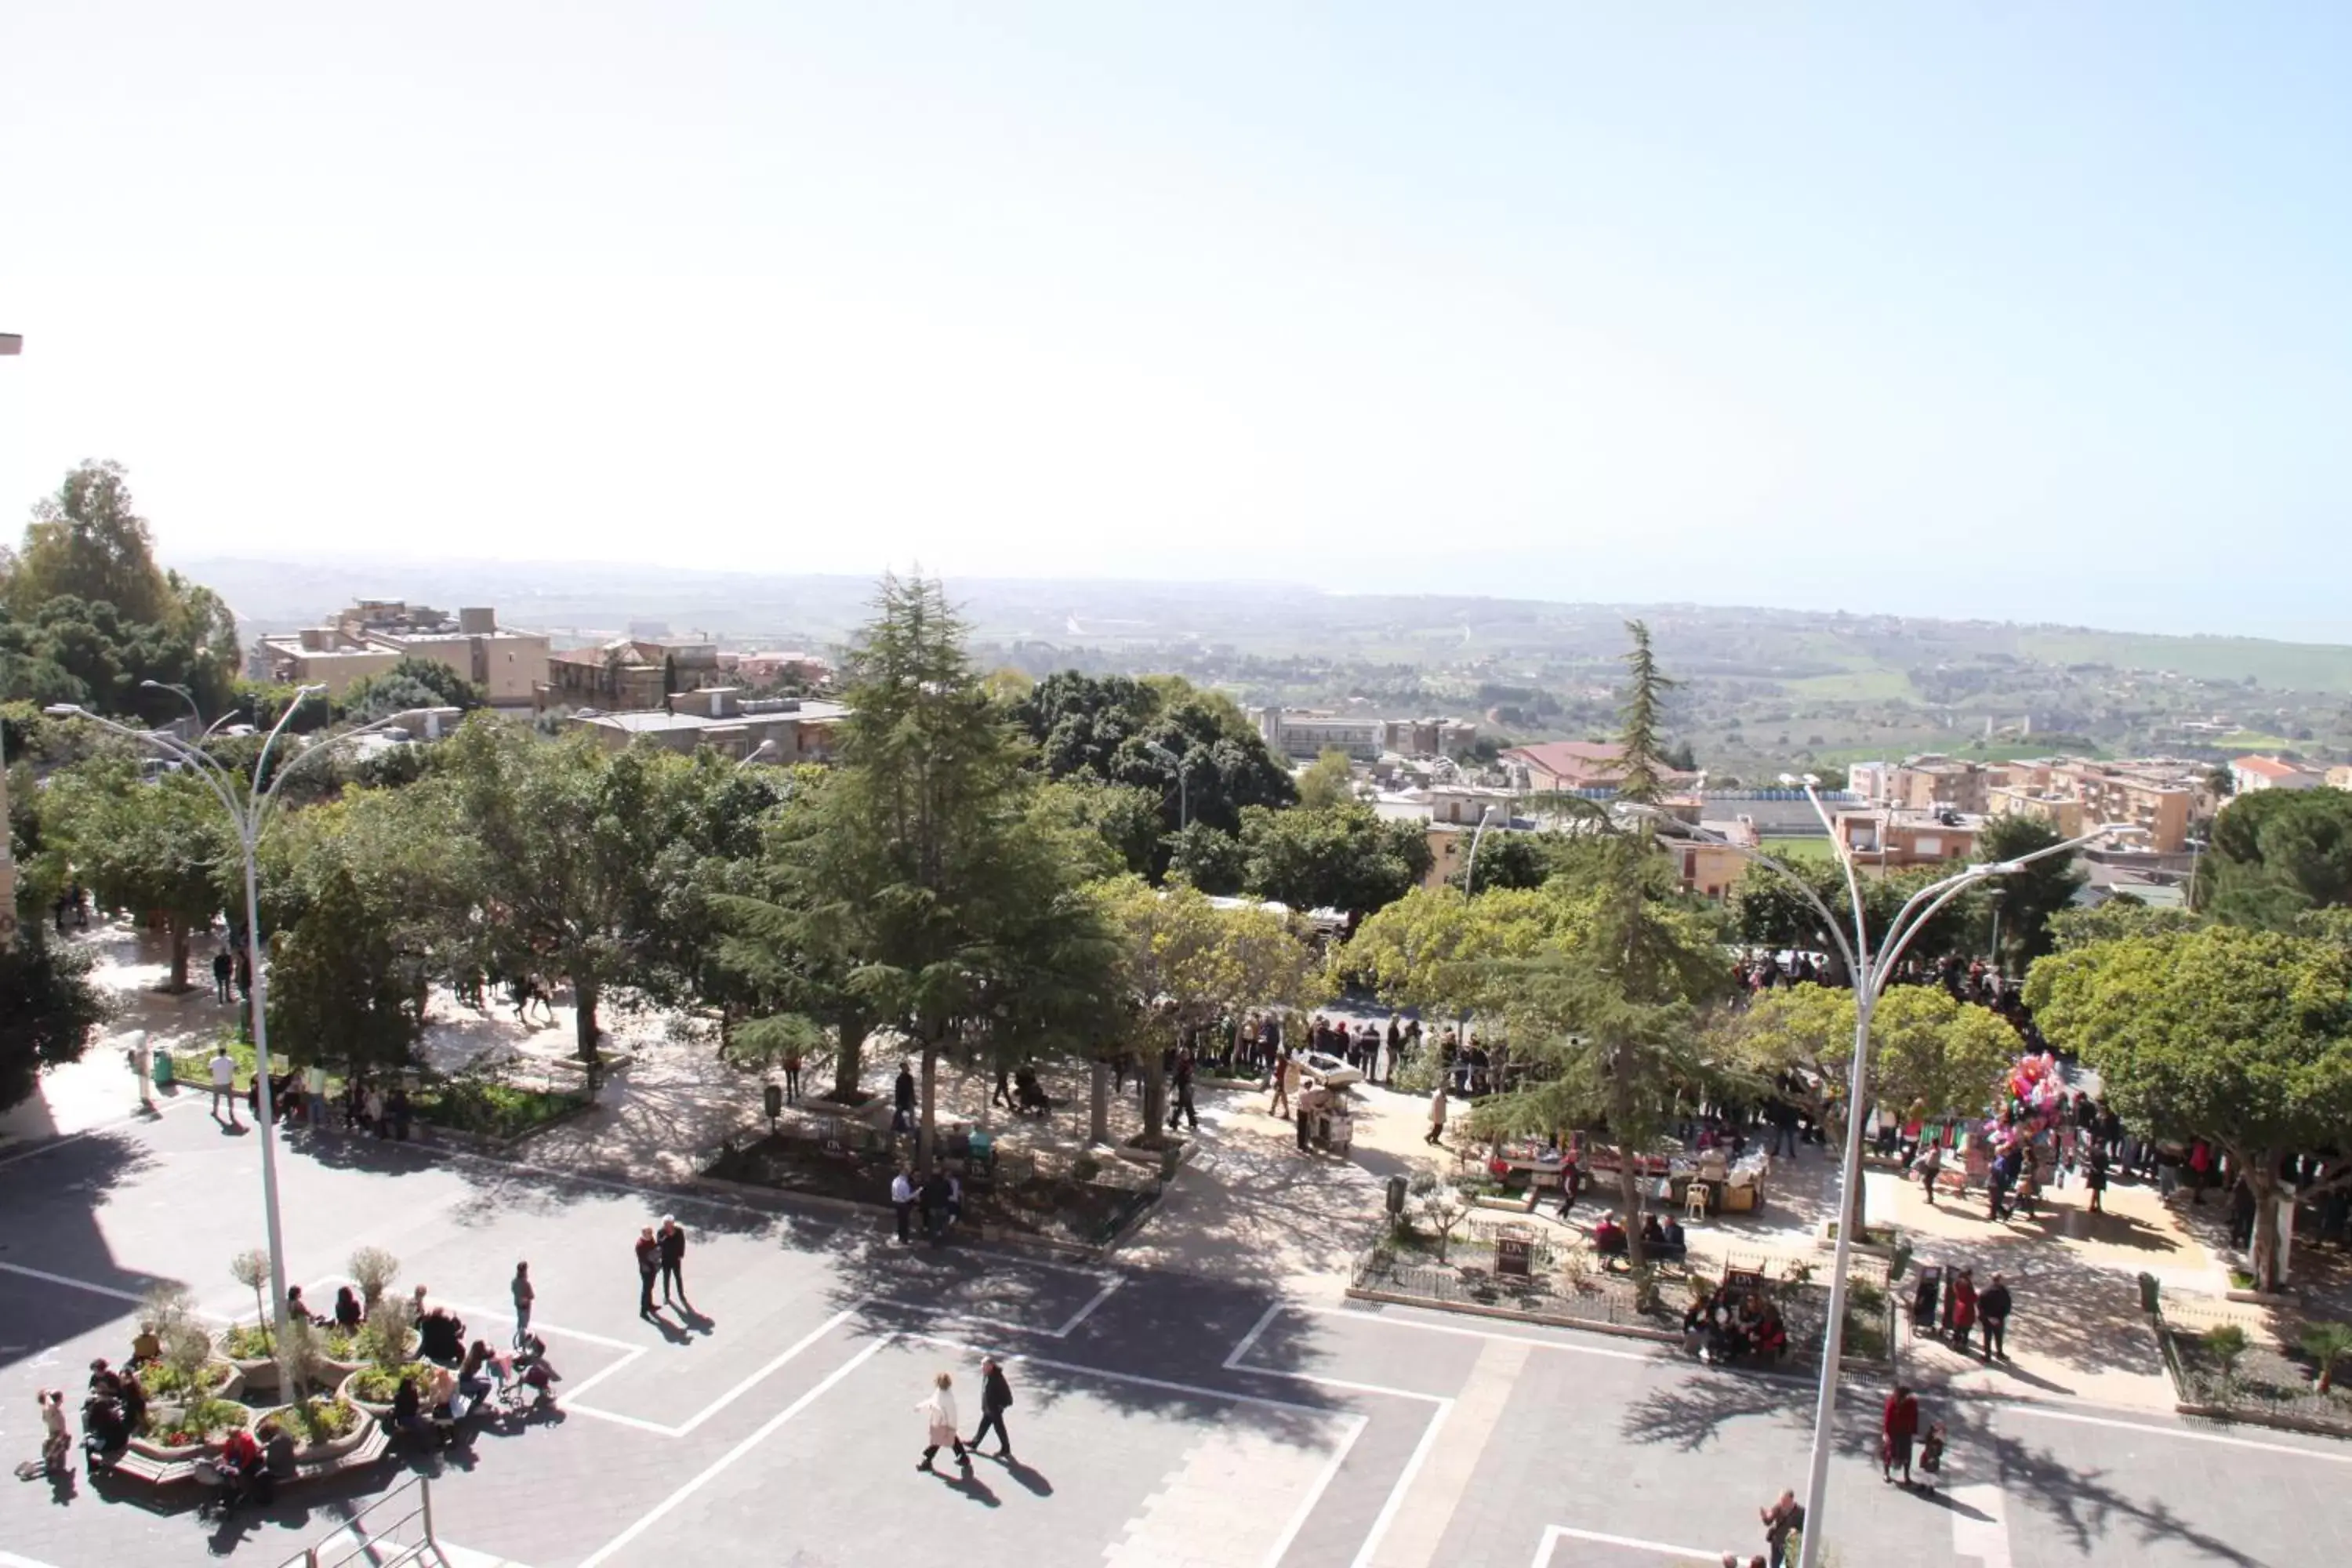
2250 773
1305 734
1893 838
629 675
1427 737
373 635
791 729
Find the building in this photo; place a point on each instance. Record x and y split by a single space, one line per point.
796 729
373 635
1891 837
1549 765
2339 778
782 664
2161 796
2248 774
629 674
1427 737
1301 733
1938 784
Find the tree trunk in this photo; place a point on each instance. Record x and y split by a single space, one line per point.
178 927
848 1060
1099 1103
583 1020
929 1107
1629 1193
2262 1257
1155 1101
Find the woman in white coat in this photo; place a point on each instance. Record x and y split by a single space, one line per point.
940 1426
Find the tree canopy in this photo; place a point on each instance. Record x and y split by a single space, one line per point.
2274 854
2027 898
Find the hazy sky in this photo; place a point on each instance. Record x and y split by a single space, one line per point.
2004 311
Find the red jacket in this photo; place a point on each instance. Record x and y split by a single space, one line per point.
1964 1305
1901 1418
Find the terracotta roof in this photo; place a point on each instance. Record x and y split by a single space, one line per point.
2269 767
1587 762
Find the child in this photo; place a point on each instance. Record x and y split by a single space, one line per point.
1931 1457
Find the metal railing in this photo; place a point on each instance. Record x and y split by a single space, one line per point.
380 1543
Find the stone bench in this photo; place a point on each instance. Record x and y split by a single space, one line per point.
374 1440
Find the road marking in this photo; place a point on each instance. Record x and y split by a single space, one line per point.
1314 1493
137 1118
10 1560
662 1510
1083 1314
1388 1513
1570 1346
1555 1533
572 1401
97 1290
1232 1362
1477 1409
1224 1395
1985 1539
2332 1458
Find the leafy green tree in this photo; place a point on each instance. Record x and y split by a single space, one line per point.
961 916
1435 950
88 543
1123 820
1508 860
411 683
1343 858
2274 854
50 1010
1208 858
2074 928
2029 896
569 848
1329 780
162 848
1924 1046
1106 728
1766 911
2240 1038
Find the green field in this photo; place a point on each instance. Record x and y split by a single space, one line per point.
2301 666
1855 686
1801 847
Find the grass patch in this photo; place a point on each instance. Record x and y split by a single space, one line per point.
1809 846
492 1110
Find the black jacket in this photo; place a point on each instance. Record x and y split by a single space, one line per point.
995 1394
1993 1304
672 1245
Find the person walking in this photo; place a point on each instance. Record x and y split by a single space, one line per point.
1784 1521
1899 1424
1992 1310
1282 1074
672 1241
648 1268
2095 1177
222 1067
244 976
1964 1310
523 1297
224 969
1930 1165
902 1101
1183 1107
995 1399
314 1094
902 1199
793 1077
939 1412
1436 1116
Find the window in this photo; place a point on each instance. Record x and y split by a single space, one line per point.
1927 844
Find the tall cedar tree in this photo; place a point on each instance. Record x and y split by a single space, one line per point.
961 915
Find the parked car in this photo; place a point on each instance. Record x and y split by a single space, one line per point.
1329 1072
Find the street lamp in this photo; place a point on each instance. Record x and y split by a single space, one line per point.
252 817
1471 870
760 752
1183 796
1871 971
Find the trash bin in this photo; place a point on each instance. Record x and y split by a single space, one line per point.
162 1070
2147 1290
1925 1297
1396 1195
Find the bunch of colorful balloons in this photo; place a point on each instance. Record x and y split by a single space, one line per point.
2034 1097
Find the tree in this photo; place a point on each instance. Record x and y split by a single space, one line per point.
2240 1038
87 542
2074 928
412 682
1330 780
49 1010
1767 911
2029 896
2274 854
2326 1344
566 847
1343 858
1607 1015
962 918
1186 963
1208 858
160 848
1507 860
1435 950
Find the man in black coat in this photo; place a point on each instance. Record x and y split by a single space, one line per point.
995 1398
671 1239
902 1101
1992 1311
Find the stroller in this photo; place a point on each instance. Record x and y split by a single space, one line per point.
530 1380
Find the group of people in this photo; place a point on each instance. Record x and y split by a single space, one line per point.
938 1197
661 1259
298 1099
942 1429
464 1374
114 1407
1960 1313
1660 1239
1898 1429
1723 1330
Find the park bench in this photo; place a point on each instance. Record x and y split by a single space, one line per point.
134 1466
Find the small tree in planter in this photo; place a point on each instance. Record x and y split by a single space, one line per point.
251 1268
186 1350
373 1269
1443 1204
2326 1343
2226 1343
390 1327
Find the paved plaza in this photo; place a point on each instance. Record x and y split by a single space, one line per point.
1162 1416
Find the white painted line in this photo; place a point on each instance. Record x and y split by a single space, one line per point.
572 1401
1314 1493
1555 1533
137 1118
2153 1430
1985 1539
1421 1452
95 1289
1083 1314
1222 1396
594 1378
1232 1362
958 1315
662 1510
10 1560
1569 1346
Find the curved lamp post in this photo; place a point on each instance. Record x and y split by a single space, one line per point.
1471 870
250 809
1870 971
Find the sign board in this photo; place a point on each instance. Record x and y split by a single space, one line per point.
1739 1282
1512 1255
